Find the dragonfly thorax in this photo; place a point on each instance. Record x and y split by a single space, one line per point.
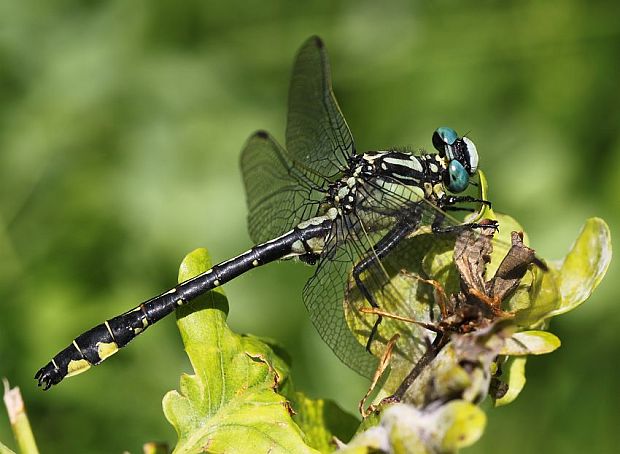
342 194
406 168
413 176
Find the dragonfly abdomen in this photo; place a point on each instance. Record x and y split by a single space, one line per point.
102 341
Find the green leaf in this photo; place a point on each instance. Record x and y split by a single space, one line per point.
568 284
321 421
408 296
464 424
542 298
231 403
513 375
585 265
530 343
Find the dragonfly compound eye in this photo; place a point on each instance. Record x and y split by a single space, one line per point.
471 155
443 139
458 178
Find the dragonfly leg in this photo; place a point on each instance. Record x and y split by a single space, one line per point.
438 228
452 199
450 208
379 251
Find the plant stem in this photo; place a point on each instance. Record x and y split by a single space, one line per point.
19 420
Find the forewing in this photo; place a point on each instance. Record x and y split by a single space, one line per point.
317 134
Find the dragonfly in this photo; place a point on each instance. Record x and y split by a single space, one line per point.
322 202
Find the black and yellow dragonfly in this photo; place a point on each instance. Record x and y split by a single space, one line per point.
320 201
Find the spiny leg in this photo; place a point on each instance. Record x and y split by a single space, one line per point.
384 314
452 199
448 202
379 251
440 216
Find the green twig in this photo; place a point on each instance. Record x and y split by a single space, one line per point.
19 420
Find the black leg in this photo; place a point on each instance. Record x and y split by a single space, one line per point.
379 251
446 204
450 208
438 228
452 199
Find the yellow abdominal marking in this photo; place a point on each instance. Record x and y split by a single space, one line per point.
77 366
106 349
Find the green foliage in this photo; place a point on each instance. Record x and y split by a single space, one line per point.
232 399
406 430
530 343
539 296
513 376
241 396
322 420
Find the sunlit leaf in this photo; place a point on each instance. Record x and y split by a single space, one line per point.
465 424
568 284
513 375
230 404
322 420
585 265
530 343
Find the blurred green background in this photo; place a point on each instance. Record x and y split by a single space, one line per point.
121 125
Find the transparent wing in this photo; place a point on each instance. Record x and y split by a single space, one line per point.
398 289
285 186
335 303
317 134
324 297
395 281
279 194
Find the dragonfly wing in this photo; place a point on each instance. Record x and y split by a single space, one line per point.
324 297
317 134
279 195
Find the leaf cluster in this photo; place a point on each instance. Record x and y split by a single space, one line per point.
241 397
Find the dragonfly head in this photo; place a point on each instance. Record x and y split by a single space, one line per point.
461 157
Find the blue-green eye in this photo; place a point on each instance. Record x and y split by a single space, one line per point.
458 177
443 137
